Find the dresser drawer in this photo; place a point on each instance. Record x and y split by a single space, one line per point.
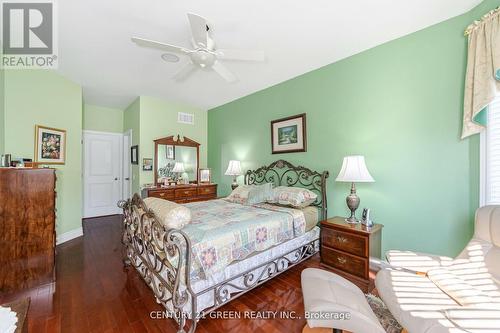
345 262
344 241
162 194
185 192
206 190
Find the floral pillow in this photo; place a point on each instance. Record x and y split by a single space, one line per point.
250 194
292 196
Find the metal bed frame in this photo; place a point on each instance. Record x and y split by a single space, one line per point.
163 256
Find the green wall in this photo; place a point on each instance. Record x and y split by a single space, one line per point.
400 105
46 98
131 121
152 118
2 112
159 119
103 119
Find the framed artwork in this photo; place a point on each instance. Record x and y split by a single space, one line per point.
50 145
205 176
288 135
134 154
147 164
170 152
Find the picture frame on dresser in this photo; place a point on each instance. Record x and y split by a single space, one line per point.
205 176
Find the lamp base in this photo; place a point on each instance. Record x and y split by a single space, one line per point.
352 201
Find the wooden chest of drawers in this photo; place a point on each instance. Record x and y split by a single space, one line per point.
346 249
183 193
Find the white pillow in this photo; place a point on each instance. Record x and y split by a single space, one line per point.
292 196
168 213
250 194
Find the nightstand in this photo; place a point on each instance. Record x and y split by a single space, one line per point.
346 249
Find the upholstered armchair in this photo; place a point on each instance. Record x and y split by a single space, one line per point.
448 295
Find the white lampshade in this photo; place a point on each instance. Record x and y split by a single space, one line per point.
178 167
354 170
234 168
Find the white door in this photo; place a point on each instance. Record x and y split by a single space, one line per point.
127 167
102 168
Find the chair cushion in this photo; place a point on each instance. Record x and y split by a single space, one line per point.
170 214
457 288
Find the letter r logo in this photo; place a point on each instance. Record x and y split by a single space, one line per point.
27 28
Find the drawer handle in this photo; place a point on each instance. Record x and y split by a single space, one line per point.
341 239
186 192
341 260
162 194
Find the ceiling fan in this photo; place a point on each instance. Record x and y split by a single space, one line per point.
204 54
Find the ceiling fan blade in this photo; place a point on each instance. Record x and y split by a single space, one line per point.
244 55
224 72
184 72
198 29
159 46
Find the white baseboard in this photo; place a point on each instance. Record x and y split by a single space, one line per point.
67 236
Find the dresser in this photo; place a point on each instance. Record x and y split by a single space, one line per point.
346 249
27 227
182 193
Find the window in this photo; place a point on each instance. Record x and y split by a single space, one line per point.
490 157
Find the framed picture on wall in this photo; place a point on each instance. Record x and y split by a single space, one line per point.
147 164
134 154
288 135
170 152
50 145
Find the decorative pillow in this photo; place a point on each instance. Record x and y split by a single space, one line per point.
169 214
456 288
250 194
292 196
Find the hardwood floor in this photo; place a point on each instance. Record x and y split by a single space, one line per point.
93 292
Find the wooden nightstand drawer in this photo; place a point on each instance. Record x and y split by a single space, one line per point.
206 190
185 192
344 241
348 263
162 194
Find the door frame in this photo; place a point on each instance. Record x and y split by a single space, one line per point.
121 162
127 164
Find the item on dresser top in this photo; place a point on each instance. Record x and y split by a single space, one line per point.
168 213
205 176
366 218
353 170
234 169
250 194
178 169
6 160
292 196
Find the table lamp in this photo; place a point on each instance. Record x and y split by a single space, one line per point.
234 169
354 171
178 169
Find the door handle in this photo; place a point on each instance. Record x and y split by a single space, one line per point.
127 178
116 178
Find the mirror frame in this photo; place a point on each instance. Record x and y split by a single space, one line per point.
176 141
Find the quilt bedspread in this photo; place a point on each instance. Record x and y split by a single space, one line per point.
222 232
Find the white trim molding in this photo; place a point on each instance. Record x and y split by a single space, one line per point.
482 168
69 235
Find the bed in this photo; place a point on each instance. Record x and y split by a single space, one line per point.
193 271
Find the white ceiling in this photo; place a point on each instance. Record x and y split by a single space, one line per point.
297 36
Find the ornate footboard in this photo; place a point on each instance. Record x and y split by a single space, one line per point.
163 257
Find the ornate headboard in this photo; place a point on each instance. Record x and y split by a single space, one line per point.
283 173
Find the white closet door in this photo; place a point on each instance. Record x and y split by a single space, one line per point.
102 184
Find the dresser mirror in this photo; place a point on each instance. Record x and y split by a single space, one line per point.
176 160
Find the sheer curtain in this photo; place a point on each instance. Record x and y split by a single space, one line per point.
482 81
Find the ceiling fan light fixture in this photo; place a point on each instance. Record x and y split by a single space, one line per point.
169 57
